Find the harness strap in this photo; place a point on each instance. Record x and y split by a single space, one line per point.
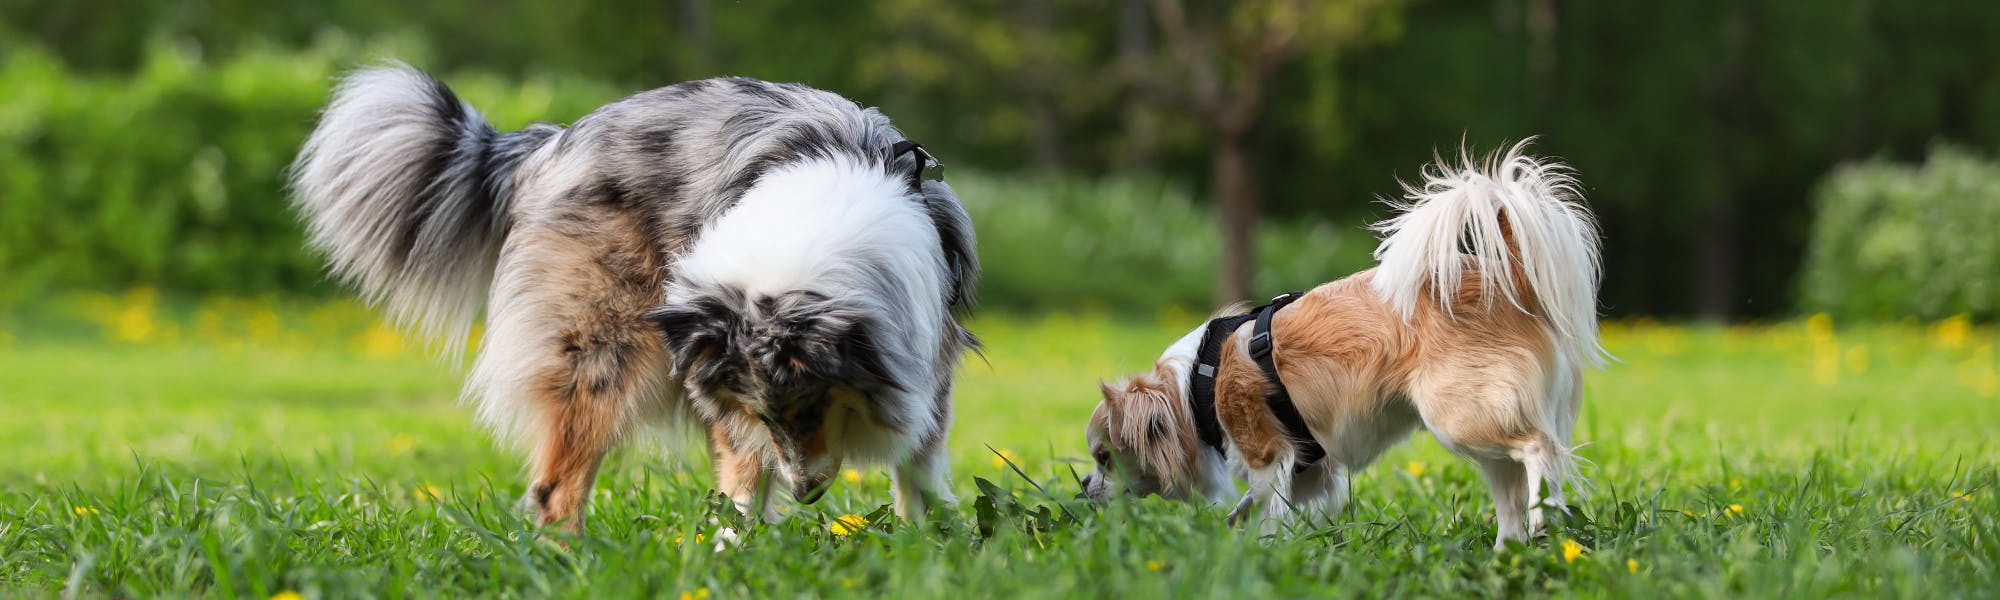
1280 400
925 161
1201 383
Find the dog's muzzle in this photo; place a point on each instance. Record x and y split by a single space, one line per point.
811 488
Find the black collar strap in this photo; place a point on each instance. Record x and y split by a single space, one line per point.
927 165
1201 383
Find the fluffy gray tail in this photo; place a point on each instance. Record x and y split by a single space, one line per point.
405 188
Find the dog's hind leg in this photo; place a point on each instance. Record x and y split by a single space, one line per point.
568 362
1546 463
1507 479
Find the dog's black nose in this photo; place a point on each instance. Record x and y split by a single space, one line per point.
812 489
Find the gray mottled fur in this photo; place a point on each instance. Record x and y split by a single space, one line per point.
568 236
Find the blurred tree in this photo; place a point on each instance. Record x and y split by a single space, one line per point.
1226 61
1699 126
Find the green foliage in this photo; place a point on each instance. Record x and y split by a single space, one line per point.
1126 243
174 177
246 463
1896 240
1699 127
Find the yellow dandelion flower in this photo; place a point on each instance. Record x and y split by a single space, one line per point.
1962 496
851 476
1416 468
402 444
1952 332
1154 566
698 538
847 583
429 492
696 594
1819 328
1571 550
1857 359
379 341
133 321
287 595
848 524
83 510
1005 456
1632 565
1735 509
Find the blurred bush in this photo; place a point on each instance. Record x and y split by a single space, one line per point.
1893 240
173 177
1131 243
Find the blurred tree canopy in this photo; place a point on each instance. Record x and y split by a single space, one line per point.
1698 126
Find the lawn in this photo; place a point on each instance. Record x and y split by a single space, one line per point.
255 448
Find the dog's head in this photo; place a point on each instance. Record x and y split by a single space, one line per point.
783 360
1143 440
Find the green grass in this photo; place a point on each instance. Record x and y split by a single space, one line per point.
246 449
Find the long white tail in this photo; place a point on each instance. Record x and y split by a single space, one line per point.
405 188
1522 220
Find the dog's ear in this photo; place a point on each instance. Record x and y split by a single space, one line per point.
812 338
1150 422
696 333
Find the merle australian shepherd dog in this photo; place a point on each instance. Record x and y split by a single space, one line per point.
759 260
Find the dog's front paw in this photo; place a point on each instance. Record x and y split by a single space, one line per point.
726 537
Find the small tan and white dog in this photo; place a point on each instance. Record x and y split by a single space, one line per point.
1476 326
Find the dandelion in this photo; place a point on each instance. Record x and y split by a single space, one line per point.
1571 550
1952 332
429 492
847 583
1735 509
133 320
1154 566
1632 565
1826 364
697 594
847 524
402 444
1962 496
1416 468
1819 328
1857 359
698 538
83 510
287 595
1004 456
851 476
379 341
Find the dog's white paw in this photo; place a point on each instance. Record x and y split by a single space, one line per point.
726 537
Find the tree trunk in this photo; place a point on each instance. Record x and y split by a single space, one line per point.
1716 293
1036 84
1236 204
697 36
1135 51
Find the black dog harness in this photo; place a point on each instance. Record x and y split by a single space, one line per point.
1201 383
927 167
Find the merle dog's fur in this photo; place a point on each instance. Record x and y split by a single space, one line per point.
570 239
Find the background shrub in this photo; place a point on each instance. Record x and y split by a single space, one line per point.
1907 240
173 178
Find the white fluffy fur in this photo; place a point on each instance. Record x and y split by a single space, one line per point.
1461 204
853 233
356 179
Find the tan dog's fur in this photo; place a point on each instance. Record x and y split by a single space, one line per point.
1486 371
